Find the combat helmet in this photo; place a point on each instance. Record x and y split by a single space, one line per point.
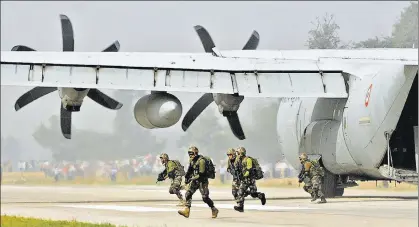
193 150
231 152
303 157
241 151
164 157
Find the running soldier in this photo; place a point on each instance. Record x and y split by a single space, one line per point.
302 177
174 171
315 173
250 171
232 169
200 169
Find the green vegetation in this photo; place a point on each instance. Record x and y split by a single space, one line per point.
325 35
16 221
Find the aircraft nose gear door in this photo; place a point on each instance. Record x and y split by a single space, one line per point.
415 130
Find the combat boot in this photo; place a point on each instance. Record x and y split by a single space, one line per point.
185 213
214 212
262 198
322 200
239 208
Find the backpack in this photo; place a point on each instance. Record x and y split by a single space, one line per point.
256 169
209 167
179 168
316 168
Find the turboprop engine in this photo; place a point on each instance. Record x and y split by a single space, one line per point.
158 110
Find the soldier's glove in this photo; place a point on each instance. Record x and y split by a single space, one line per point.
172 174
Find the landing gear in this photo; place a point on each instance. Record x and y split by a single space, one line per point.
330 186
339 191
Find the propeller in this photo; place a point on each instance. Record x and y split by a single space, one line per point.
208 98
94 94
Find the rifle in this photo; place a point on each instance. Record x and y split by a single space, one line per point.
301 175
161 175
188 174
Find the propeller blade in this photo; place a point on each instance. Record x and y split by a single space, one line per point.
196 110
104 100
114 47
253 41
205 37
65 120
22 48
32 95
234 122
67 33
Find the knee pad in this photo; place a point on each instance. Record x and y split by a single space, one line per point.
172 191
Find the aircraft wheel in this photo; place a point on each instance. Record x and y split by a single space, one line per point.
329 184
339 191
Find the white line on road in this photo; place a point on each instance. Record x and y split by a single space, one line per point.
121 208
251 207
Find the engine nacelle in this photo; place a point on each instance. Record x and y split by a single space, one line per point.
158 110
72 98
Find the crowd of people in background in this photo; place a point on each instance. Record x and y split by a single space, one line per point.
147 165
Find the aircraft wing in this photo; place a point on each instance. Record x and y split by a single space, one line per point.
203 73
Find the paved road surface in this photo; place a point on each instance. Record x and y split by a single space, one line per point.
152 206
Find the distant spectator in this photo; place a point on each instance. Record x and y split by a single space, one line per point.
114 172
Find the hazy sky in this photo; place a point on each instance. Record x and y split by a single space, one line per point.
166 26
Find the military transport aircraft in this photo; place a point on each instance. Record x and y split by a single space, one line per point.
354 110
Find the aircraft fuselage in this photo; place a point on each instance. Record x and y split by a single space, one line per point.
349 134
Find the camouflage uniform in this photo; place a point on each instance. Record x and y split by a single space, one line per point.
308 186
198 180
232 169
314 178
247 181
175 175
307 181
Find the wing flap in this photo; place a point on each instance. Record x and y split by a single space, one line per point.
292 84
200 73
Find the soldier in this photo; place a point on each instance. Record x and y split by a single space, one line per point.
173 170
315 173
249 172
232 169
308 187
199 170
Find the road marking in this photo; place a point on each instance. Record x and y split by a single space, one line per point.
166 191
121 208
251 207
